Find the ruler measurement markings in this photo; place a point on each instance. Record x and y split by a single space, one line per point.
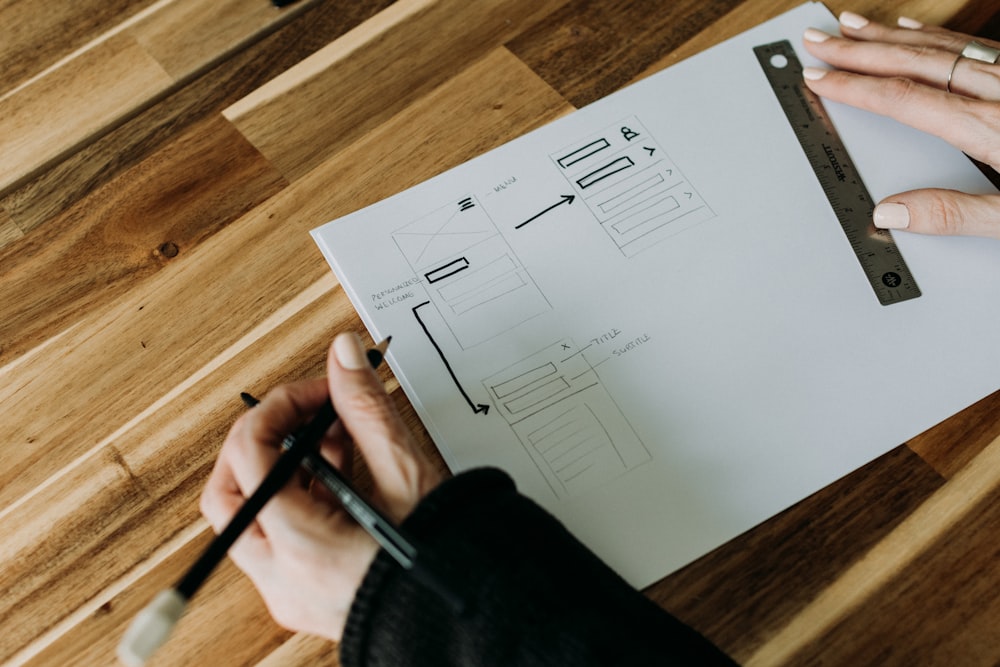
874 248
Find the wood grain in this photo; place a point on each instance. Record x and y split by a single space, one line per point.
589 49
34 40
128 229
107 83
372 73
161 164
9 231
748 589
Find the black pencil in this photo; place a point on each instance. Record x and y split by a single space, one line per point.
153 624
380 527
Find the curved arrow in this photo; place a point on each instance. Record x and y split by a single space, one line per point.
476 407
566 199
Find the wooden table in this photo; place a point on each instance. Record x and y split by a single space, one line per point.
160 166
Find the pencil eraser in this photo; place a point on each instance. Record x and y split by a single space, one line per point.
151 628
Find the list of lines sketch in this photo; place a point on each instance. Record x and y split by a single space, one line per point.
554 400
631 186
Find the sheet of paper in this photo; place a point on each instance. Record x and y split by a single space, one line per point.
648 314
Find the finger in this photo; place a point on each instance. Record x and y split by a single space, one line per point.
253 448
401 475
222 495
934 211
969 125
861 28
932 65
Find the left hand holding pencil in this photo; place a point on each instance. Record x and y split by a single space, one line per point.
306 557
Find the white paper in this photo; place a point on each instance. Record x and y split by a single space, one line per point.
692 349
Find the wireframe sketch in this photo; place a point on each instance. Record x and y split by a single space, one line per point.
471 273
631 186
567 421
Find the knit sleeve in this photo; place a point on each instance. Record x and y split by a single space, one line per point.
533 594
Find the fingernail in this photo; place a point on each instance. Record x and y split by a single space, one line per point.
852 20
892 216
347 348
907 22
814 73
814 35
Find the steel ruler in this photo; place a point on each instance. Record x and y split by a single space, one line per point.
875 249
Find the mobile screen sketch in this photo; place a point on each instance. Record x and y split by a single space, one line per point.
628 181
567 421
470 272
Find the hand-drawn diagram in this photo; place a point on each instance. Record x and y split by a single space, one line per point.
472 275
631 186
478 408
567 421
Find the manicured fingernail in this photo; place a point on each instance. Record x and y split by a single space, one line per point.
814 73
852 20
907 22
347 348
892 216
814 35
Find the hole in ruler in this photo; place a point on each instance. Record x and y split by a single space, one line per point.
779 61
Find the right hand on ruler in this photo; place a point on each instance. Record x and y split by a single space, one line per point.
914 73
306 557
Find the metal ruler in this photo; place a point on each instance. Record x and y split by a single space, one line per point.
875 249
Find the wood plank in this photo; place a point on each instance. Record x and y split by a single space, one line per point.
53 191
373 72
186 36
973 18
934 12
128 230
953 444
184 438
36 37
303 651
947 546
588 50
9 231
115 77
47 558
106 84
746 590
209 629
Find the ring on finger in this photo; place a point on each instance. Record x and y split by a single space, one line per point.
976 51
973 51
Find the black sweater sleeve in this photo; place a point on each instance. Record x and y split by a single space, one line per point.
534 594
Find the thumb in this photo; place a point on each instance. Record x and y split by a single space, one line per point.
370 418
936 211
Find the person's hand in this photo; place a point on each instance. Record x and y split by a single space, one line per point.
306 557
913 73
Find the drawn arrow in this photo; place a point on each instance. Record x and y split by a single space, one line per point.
476 407
566 199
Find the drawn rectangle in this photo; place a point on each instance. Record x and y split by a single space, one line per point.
447 270
631 193
537 396
605 171
630 224
498 288
583 153
516 384
478 279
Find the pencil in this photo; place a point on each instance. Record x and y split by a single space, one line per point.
153 624
392 539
